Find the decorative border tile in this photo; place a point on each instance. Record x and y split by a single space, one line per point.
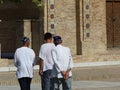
87 18
51 16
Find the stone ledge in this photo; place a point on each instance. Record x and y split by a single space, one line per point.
76 65
103 73
4 62
96 58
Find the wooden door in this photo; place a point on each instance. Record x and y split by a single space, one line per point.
113 23
109 15
116 20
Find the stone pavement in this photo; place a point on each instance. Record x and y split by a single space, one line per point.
84 78
77 85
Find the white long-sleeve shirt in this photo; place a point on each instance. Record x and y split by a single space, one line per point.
24 59
62 59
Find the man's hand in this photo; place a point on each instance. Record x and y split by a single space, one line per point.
40 72
66 76
41 67
63 73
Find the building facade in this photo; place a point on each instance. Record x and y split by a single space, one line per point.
89 27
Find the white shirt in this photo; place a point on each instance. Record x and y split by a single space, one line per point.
45 55
24 59
62 59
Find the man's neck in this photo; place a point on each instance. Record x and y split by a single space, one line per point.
48 41
25 45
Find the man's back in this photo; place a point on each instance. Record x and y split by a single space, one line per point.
24 60
46 62
62 58
45 55
62 54
24 53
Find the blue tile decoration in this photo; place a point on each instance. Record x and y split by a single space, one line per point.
51 16
87 18
88 25
87 34
87 7
52 6
52 26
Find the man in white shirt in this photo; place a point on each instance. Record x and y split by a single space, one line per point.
24 59
63 64
46 61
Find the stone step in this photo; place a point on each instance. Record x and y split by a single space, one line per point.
96 58
101 73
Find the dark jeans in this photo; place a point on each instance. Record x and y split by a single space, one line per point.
25 83
45 80
66 84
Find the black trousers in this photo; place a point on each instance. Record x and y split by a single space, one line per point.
25 83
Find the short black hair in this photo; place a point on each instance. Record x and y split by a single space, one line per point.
47 35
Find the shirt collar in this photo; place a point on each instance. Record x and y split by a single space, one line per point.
59 45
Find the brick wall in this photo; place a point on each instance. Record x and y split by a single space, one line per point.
92 15
94 40
64 21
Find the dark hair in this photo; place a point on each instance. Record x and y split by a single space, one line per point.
47 36
57 40
25 39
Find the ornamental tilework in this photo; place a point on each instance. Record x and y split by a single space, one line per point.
87 18
54 15
51 16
